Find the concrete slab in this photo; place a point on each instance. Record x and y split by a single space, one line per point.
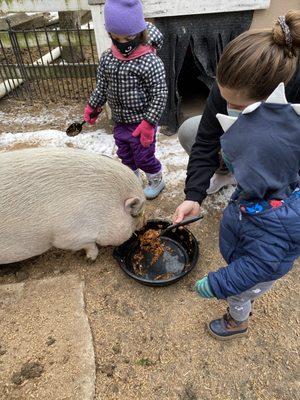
22 21
46 347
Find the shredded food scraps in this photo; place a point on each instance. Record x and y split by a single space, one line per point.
167 275
149 243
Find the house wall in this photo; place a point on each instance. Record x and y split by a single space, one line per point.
152 8
266 18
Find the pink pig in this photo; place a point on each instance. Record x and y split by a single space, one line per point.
65 198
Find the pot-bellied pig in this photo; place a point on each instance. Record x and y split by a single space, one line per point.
65 198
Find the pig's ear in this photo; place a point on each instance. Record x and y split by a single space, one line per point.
133 205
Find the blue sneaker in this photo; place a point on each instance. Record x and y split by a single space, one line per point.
227 328
155 185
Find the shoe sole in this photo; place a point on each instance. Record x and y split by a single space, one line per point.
224 338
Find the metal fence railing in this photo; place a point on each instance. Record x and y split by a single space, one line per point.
47 64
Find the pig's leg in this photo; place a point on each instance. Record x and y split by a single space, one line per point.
91 250
77 243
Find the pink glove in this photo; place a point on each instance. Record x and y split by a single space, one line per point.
146 131
91 114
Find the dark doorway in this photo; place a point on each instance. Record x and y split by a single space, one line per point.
192 92
192 47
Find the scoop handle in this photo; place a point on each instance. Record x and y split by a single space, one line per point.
75 128
93 114
182 223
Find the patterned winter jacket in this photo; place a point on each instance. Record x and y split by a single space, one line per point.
135 89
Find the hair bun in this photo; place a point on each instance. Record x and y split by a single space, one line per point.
286 31
278 34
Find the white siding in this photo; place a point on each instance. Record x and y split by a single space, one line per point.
153 8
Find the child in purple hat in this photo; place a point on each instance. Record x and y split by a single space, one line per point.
131 78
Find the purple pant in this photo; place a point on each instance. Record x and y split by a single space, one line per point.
132 153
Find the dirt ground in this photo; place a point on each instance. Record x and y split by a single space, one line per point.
152 343
38 320
20 116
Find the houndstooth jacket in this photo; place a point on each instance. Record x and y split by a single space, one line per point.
135 89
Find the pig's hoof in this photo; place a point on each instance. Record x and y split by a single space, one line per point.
90 260
91 252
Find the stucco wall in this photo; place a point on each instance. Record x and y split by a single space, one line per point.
266 18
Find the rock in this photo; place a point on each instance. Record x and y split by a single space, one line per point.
29 370
127 311
188 393
32 370
107 369
116 348
17 378
50 341
114 388
65 359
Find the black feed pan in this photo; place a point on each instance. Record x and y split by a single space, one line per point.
179 259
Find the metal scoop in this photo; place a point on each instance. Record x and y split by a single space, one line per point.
182 223
75 128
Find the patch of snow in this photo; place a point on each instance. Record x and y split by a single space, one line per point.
88 25
53 15
171 149
173 178
218 201
97 142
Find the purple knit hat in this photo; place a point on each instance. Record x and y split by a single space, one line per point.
124 17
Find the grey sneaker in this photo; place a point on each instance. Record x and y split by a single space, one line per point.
218 181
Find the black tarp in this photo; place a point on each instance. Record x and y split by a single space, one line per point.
206 35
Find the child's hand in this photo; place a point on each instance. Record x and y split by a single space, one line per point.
202 287
91 114
146 131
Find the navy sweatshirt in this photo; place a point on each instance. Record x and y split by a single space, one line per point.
204 158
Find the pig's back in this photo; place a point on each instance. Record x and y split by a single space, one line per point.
38 177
